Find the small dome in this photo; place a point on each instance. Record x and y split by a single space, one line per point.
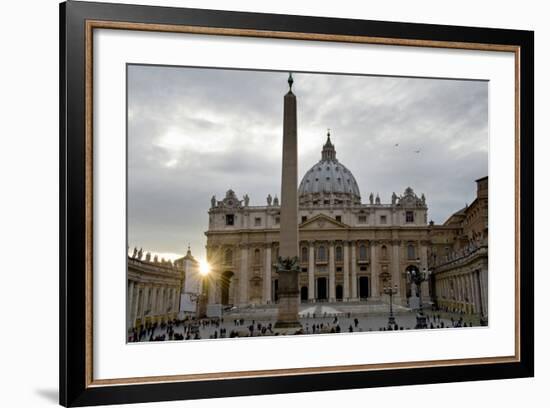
329 178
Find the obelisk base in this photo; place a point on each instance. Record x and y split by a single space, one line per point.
288 306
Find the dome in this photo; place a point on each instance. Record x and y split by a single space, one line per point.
329 180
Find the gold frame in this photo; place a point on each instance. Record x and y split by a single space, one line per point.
99 24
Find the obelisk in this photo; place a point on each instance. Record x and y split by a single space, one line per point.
287 264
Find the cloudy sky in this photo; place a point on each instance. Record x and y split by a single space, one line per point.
195 132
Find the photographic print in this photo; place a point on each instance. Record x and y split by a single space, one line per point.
267 203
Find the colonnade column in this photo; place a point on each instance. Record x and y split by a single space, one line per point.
129 303
353 271
243 275
311 272
375 293
346 271
267 274
331 273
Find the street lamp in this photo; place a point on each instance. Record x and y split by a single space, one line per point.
417 277
388 290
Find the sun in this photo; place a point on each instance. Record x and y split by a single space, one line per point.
204 268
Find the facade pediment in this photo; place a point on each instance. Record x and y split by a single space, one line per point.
322 221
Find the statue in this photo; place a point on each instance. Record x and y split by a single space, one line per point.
377 199
269 199
371 198
423 199
140 254
288 264
246 200
213 201
135 252
393 198
156 259
148 256
276 201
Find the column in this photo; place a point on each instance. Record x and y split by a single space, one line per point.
353 271
331 273
130 295
477 305
346 271
267 274
134 305
153 300
375 293
396 279
424 268
243 276
484 290
145 300
311 272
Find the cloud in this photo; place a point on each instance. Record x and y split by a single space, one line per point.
194 133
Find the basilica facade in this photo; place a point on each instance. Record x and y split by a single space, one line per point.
349 250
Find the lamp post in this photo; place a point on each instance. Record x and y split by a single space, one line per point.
388 290
417 277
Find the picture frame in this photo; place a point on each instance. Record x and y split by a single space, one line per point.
78 20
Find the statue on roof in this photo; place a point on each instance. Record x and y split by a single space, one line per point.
276 201
140 254
213 201
377 199
393 198
371 198
269 200
246 200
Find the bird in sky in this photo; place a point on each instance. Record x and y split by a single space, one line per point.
417 151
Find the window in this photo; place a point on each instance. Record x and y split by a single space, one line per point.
257 221
362 219
410 251
383 219
409 216
304 218
339 269
256 256
326 202
277 220
322 254
304 254
339 257
362 252
363 268
229 219
228 257
339 218
384 252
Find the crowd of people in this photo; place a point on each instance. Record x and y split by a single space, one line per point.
214 328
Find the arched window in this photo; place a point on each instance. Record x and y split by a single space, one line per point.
339 254
228 257
362 252
304 254
256 256
384 252
322 254
410 251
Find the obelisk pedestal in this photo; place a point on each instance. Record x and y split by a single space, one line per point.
287 264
